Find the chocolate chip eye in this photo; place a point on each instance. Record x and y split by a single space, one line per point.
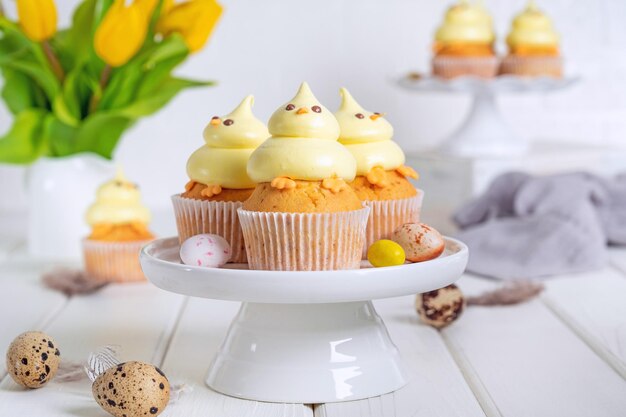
228 122
359 116
316 109
290 107
376 113
215 117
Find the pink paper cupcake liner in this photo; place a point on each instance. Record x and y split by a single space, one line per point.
452 66
387 215
532 66
194 217
304 241
113 261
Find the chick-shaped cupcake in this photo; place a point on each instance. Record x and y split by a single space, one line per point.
217 170
302 168
464 42
533 45
118 215
219 182
119 223
303 215
381 177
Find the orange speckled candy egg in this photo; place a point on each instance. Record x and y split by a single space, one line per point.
419 241
132 389
32 359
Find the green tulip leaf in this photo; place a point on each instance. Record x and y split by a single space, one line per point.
159 97
101 132
73 44
24 142
61 137
19 93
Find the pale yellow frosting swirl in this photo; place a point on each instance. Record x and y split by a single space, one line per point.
532 28
230 140
303 145
367 136
117 202
466 23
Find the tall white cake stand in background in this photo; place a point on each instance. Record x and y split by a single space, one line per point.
303 337
484 132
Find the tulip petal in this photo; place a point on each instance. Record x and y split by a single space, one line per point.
121 33
38 18
194 20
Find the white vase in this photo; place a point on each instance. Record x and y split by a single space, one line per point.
59 192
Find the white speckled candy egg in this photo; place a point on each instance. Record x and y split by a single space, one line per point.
419 241
33 359
132 389
205 250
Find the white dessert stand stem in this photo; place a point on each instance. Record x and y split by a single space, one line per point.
485 132
304 337
282 346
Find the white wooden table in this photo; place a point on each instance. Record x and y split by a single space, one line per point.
563 354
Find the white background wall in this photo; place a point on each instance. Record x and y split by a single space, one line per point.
267 47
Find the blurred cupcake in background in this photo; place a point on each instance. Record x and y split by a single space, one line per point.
119 225
464 43
303 215
381 177
533 46
218 182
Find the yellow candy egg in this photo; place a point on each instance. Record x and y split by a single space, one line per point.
385 252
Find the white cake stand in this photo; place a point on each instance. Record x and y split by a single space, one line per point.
303 337
484 131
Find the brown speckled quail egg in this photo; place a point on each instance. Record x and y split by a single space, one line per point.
439 308
419 241
33 359
132 389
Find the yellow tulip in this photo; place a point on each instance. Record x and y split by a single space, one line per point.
38 18
148 6
121 33
193 19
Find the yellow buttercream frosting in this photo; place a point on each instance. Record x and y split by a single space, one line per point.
532 28
303 145
117 202
367 136
230 140
466 23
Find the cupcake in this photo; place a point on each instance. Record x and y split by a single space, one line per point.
119 224
381 177
302 214
464 43
218 182
533 46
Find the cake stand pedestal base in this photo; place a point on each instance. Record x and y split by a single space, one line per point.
484 132
307 353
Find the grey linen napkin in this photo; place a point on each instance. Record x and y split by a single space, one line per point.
530 227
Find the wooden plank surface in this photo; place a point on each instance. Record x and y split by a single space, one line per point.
589 304
437 387
618 257
138 317
201 329
528 363
27 304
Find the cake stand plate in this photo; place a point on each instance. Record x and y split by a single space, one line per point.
306 336
485 132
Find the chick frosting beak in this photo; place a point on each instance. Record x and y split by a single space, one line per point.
302 110
216 121
376 116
